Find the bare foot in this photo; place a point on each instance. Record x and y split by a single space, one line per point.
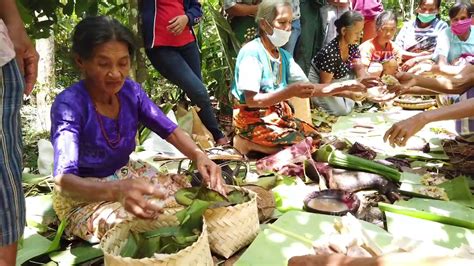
222 141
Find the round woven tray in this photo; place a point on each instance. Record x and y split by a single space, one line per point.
114 240
234 227
415 105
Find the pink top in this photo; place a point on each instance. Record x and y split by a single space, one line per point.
368 8
167 10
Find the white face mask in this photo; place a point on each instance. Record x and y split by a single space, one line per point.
279 37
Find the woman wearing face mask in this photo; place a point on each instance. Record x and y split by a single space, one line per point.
455 46
420 35
380 55
266 76
340 60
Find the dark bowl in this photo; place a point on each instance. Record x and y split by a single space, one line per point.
332 201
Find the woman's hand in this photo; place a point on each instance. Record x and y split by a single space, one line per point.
302 90
421 68
27 57
380 94
343 86
400 132
133 194
409 64
211 173
370 81
406 81
177 24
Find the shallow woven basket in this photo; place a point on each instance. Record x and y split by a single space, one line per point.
114 240
415 105
234 227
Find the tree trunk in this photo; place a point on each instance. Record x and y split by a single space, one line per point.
139 71
45 83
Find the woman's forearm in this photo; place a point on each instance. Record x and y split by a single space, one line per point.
184 144
416 90
459 110
9 14
267 99
449 85
87 189
447 69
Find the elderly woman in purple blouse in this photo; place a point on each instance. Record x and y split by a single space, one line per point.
94 124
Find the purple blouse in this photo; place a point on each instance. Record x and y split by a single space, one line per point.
80 147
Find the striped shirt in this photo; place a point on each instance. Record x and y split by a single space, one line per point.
414 39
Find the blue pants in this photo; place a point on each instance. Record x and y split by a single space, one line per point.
182 66
12 200
295 34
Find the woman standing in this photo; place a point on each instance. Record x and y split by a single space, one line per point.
370 9
171 47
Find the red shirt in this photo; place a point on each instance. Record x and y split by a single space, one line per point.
372 51
166 10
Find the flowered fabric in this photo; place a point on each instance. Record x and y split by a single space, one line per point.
90 221
274 126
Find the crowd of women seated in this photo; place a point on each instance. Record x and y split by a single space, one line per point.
95 121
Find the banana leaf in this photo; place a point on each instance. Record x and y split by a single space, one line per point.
424 230
33 245
433 210
76 255
457 189
377 124
56 244
290 194
39 212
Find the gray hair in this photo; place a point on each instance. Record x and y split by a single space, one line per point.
385 17
267 9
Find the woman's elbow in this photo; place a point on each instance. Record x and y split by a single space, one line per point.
59 182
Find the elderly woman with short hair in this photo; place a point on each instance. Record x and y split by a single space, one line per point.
380 55
266 76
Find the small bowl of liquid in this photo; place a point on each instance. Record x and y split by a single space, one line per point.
332 201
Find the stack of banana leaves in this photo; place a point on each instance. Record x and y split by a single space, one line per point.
171 239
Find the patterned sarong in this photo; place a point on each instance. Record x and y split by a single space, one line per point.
273 126
90 221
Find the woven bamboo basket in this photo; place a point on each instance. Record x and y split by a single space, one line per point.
234 227
114 240
415 105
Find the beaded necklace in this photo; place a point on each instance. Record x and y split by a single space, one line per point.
113 143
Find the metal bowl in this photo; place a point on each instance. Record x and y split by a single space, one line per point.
332 201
